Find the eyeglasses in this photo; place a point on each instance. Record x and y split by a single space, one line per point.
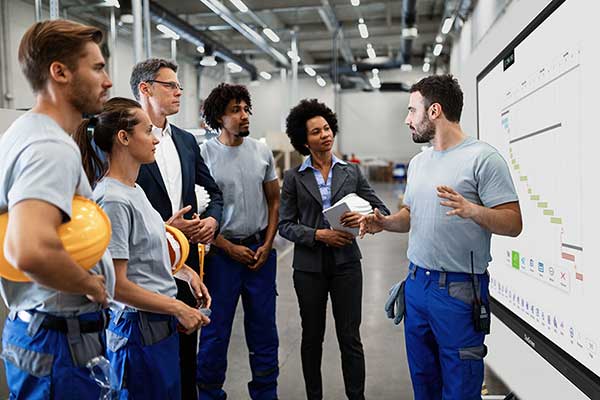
170 85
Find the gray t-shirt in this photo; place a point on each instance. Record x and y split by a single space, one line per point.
39 160
479 173
138 235
240 172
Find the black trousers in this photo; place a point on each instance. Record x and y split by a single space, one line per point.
344 284
188 347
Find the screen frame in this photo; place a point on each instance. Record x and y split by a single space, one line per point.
581 376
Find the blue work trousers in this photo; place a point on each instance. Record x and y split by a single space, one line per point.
226 281
143 349
39 363
445 352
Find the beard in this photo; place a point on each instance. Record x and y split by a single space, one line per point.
424 132
82 98
243 133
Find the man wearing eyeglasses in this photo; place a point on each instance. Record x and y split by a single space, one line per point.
169 183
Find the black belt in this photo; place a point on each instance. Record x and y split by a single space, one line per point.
59 324
257 238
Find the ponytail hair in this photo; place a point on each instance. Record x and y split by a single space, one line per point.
99 133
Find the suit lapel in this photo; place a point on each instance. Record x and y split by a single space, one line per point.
155 172
337 181
309 182
183 160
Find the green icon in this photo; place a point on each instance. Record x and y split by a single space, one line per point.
515 259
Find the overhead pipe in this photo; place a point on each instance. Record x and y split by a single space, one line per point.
160 15
147 33
409 19
218 8
38 10
138 45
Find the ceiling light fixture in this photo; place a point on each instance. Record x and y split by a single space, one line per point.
208 61
168 32
321 81
371 51
426 67
355 3
293 57
271 35
448 22
239 4
437 50
126 18
362 28
234 68
200 49
310 71
265 75
410 33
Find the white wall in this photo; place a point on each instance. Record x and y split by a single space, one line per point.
371 124
22 16
491 28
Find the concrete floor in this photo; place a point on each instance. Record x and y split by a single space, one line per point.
384 263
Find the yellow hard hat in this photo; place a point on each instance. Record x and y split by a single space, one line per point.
179 248
85 237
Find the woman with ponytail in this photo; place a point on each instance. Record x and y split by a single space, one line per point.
142 339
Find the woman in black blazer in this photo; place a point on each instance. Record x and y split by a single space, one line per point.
326 261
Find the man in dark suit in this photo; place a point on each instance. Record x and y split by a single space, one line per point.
170 181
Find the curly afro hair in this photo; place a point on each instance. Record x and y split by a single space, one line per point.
216 102
296 122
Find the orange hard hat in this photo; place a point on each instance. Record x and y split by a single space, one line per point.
179 248
85 237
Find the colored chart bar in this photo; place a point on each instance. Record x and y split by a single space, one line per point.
548 212
542 204
556 220
523 179
535 197
567 256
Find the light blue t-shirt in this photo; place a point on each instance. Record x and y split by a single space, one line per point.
40 161
240 172
479 173
138 236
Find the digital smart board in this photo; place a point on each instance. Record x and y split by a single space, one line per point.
537 103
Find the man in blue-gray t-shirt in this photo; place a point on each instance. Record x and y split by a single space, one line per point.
459 192
242 262
56 323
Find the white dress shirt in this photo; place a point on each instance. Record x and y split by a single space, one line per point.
169 165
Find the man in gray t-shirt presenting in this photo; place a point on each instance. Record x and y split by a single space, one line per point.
459 192
241 262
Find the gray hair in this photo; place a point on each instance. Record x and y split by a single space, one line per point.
147 70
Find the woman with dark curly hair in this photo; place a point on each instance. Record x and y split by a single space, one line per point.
326 261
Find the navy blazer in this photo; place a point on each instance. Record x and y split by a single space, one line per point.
193 172
301 213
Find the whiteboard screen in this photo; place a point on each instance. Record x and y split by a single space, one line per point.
538 105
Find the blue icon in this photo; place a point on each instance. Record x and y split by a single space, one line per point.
540 266
531 262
